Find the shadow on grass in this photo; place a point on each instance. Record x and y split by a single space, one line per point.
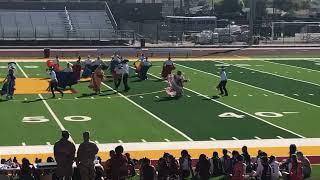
168 98
35 100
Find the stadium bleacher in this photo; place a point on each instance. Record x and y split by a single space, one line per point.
53 24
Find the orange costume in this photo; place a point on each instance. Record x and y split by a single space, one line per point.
96 80
167 68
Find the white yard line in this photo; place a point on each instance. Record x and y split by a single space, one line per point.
256 137
175 145
235 138
211 74
280 137
256 117
298 67
151 114
265 72
46 105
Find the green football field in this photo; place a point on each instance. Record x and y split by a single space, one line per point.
269 99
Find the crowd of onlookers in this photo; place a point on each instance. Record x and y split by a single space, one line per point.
86 165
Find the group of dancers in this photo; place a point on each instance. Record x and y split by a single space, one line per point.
60 78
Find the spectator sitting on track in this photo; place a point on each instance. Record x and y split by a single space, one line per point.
108 172
147 171
163 169
234 158
185 163
295 168
216 168
239 169
203 167
119 164
173 167
226 162
26 170
64 153
275 166
306 164
131 163
86 156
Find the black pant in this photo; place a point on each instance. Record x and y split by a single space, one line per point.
124 78
222 88
54 87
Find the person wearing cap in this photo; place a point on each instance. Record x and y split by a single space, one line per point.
223 82
86 154
64 154
54 83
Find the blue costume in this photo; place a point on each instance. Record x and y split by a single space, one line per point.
9 85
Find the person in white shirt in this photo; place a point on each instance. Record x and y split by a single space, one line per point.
223 82
56 60
122 71
275 170
54 83
88 61
68 68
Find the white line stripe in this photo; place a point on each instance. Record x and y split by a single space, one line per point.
167 140
235 138
265 94
143 140
141 97
235 95
47 106
120 141
250 86
157 96
92 97
97 142
280 137
290 65
290 112
311 94
256 137
256 117
48 143
296 94
265 72
213 139
23 144
250 95
151 114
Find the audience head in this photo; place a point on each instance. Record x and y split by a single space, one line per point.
272 158
119 149
240 158
86 136
292 149
245 150
112 154
184 153
225 152
215 154
65 134
299 154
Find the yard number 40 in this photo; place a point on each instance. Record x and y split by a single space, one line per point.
261 114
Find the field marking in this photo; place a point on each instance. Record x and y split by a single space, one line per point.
46 105
280 137
23 144
265 72
143 140
150 113
256 137
48 143
213 139
231 107
235 138
204 72
97 142
120 141
167 140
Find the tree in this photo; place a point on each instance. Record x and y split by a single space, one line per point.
229 6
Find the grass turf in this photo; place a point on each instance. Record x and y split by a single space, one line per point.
117 118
